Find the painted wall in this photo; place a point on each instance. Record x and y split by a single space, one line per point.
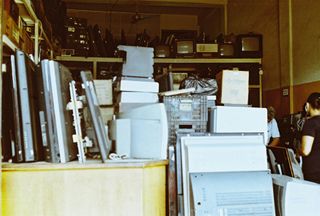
259 17
306 41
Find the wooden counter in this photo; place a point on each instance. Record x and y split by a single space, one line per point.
129 187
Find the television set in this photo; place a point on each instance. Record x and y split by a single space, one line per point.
184 48
226 50
249 45
28 142
295 197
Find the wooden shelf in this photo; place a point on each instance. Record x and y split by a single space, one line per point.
206 60
88 59
164 60
29 16
6 41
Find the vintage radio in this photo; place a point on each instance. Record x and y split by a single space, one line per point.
207 49
162 51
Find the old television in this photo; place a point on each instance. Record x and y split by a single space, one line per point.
249 45
184 48
226 50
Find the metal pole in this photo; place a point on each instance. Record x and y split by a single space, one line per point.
36 41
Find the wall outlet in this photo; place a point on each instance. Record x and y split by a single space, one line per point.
285 92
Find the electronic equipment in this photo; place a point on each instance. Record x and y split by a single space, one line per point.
138 61
226 173
59 147
184 48
100 129
207 49
249 45
27 123
7 114
162 51
295 197
149 131
226 50
18 143
229 119
137 85
118 128
137 97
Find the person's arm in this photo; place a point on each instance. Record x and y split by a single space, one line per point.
308 134
275 134
306 145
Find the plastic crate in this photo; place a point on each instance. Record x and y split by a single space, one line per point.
185 127
186 108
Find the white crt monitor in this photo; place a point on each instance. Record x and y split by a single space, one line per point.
295 197
149 131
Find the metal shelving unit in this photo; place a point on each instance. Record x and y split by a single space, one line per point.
29 16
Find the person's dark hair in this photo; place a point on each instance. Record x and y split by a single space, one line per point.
314 100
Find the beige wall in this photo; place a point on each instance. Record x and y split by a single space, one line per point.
259 17
306 41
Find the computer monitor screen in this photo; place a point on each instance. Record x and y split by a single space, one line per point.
149 131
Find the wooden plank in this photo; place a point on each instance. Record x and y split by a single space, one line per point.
116 191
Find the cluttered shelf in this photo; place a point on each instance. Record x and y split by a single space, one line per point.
164 60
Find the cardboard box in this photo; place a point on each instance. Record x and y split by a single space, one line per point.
233 87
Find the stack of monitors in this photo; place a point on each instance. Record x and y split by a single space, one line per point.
42 126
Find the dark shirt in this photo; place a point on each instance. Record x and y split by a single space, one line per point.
311 163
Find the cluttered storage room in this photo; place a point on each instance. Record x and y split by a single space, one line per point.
160 108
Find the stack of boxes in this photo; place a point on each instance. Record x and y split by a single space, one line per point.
77 38
136 87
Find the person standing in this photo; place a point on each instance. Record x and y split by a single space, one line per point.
310 141
273 130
